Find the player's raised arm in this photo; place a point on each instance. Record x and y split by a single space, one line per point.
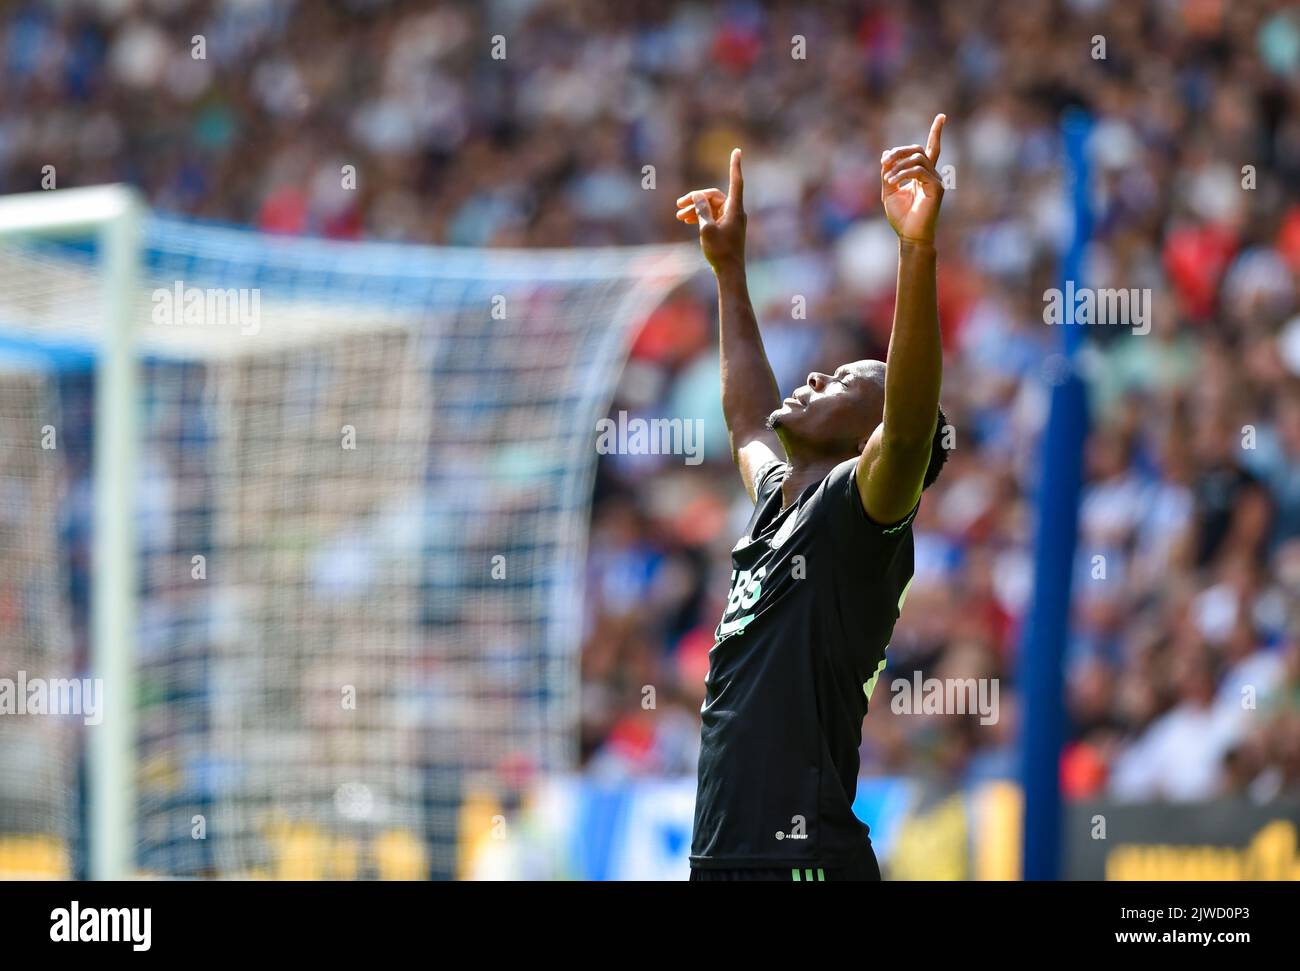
891 469
749 390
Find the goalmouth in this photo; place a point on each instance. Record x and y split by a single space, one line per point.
338 534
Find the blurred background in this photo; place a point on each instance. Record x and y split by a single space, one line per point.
1191 481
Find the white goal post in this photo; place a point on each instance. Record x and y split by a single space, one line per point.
112 214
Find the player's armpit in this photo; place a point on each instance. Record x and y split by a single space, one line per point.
890 476
755 454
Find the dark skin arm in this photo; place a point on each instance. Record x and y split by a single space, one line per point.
749 389
891 468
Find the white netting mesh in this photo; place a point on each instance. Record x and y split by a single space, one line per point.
386 470
37 753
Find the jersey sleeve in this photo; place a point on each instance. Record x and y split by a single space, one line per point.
769 479
856 533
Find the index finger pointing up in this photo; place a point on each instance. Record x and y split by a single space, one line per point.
932 143
736 188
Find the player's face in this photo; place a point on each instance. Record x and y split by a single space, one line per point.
833 413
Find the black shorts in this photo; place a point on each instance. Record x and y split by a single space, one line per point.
864 869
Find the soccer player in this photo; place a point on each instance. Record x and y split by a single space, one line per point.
836 472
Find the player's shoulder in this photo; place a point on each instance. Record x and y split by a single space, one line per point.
845 470
842 501
838 482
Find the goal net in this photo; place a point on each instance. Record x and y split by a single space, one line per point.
362 475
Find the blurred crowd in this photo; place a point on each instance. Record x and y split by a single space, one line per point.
552 123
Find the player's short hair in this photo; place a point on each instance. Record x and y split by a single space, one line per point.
938 454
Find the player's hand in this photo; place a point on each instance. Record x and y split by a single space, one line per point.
911 189
721 219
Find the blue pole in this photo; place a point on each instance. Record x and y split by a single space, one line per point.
1046 631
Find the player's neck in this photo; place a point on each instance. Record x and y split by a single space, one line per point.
803 473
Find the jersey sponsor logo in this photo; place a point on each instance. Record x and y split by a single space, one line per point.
728 627
746 588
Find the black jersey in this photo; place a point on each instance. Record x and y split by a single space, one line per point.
815 592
